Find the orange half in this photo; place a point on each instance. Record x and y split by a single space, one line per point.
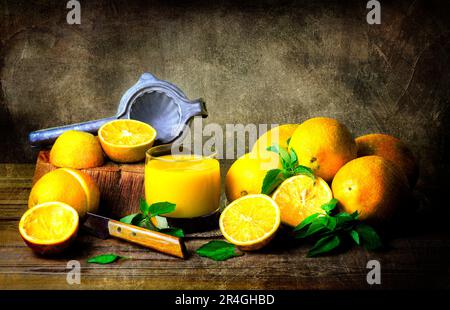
50 227
126 140
301 196
250 222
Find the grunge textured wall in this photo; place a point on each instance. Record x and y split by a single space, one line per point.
271 62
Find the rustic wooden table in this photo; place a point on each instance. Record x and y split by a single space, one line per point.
420 261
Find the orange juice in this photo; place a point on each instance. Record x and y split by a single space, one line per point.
192 182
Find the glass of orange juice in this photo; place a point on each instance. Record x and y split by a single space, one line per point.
190 181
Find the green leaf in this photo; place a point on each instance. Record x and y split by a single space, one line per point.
143 206
271 181
138 219
177 232
305 171
331 223
369 236
294 158
284 155
129 218
355 236
104 259
288 140
218 250
147 223
306 221
345 220
324 245
159 208
330 205
317 226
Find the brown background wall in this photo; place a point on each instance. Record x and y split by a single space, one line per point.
272 62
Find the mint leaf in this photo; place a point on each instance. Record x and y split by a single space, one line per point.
159 208
129 218
271 181
331 223
306 221
218 250
324 245
369 236
330 205
284 155
317 226
355 236
305 171
104 259
294 158
288 140
143 206
177 232
147 223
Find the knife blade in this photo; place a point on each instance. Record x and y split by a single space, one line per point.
103 228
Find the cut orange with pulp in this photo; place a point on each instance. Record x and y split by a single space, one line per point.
301 196
250 222
50 227
126 140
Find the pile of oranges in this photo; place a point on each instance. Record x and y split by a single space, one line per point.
372 174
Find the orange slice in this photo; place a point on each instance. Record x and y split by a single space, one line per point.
126 140
301 196
250 222
50 227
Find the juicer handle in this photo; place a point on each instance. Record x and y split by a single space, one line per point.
47 136
194 108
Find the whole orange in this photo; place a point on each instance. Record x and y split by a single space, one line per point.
324 145
246 174
77 150
371 185
390 148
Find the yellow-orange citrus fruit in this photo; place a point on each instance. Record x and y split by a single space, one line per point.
49 228
278 135
126 140
390 148
73 187
301 196
247 173
77 150
371 185
250 222
324 145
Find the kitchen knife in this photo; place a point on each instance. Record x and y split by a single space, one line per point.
104 227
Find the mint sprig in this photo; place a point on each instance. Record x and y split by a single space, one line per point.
143 218
289 168
218 250
329 229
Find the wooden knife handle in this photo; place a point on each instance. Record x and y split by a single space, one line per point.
148 238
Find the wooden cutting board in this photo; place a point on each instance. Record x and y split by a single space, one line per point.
121 185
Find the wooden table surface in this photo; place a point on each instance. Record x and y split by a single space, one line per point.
419 261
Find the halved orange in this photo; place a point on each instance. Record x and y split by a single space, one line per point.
250 222
50 227
73 187
126 140
301 196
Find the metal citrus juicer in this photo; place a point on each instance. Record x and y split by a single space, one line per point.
158 103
